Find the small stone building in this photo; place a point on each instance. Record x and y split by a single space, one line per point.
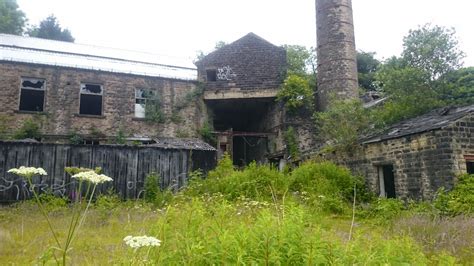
414 158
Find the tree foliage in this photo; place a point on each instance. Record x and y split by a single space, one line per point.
457 87
296 93
301 61
12 19
433 49
297 89
367 66
343 123
49 28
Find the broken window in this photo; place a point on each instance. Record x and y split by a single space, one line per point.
211 74
91 99
143 98
32 94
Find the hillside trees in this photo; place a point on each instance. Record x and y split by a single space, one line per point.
12 19
49 28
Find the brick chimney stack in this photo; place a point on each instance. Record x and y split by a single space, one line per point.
337 65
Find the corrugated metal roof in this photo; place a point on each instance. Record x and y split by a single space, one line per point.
185 144
436 119
40 51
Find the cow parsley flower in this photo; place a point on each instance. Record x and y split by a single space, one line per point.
92 177
141 241
27 171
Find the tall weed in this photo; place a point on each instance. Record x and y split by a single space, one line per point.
460 200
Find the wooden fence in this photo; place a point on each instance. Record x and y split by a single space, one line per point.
127 165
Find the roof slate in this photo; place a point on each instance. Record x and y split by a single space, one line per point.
436 119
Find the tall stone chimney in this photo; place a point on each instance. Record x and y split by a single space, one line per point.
337 65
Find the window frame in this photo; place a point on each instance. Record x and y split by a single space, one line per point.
101 94
151 93
22 79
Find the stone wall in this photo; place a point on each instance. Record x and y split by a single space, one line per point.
248 63
422 163
62 96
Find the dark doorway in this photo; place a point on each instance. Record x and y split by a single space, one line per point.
243 122
387 181
248 149
470 167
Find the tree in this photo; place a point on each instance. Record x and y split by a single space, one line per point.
457 87
200 54
343 124
12 20
49 28
367 66
298 59
301 61
409 89
433 49
296 93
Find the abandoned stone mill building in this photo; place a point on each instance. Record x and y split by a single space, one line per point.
92 96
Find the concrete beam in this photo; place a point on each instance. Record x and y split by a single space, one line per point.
236 93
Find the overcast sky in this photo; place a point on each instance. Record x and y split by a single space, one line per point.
183 27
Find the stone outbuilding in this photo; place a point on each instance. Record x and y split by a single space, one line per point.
414 158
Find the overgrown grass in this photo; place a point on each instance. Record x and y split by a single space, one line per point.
254 216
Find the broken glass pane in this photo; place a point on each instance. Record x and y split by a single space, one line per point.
34 84
91 89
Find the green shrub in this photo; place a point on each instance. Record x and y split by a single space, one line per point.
29 129
206 134
52 202
254 181
460 200
224 168
151 187
163 198
292 142
329 186
107 201
384 210
296 93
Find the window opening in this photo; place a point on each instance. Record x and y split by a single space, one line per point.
142 98
91 99
211 74
386 181
32 94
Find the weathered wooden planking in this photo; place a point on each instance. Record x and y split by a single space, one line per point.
127 165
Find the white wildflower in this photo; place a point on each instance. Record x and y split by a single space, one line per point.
92 177
141 241
27 171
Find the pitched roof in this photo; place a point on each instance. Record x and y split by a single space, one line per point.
246 38
56 53
436 119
